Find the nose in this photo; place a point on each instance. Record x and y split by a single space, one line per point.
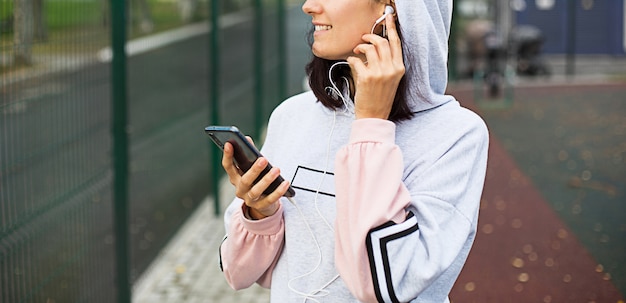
311 7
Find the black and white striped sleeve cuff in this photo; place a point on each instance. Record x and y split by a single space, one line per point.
377 240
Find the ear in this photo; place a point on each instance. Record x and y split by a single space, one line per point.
389 10
392 3
386 7
395 10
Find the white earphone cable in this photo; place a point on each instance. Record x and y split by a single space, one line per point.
348 105
319 186
321 291
348 109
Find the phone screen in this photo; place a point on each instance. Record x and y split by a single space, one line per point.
244 153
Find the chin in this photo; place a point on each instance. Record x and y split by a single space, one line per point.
324 54
328 56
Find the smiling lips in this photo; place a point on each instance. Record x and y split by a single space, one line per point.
322 27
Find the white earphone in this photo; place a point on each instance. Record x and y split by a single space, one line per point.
388 11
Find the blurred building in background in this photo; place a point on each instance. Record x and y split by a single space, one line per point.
578 26
521 32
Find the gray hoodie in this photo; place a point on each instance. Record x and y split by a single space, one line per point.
383 212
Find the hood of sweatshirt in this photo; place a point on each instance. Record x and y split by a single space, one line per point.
425 28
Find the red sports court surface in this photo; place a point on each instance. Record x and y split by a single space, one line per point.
524 250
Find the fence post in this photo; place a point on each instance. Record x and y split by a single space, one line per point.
214 108
258 68
120 148
570 66
282 52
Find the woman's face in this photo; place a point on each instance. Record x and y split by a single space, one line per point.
340 24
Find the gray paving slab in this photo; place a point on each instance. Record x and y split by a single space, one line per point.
187 269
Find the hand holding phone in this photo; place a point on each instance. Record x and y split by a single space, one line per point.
244 154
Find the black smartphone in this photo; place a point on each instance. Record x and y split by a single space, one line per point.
245 153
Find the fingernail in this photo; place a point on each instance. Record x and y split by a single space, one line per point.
273 171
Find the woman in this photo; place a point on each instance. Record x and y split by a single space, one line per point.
388 170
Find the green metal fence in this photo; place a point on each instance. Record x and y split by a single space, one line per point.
102 150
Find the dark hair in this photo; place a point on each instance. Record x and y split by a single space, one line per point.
317 71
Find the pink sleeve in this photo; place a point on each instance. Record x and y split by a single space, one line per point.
251 249
370 193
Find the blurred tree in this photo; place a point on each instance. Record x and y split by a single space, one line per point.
187 9
144 16
23 32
